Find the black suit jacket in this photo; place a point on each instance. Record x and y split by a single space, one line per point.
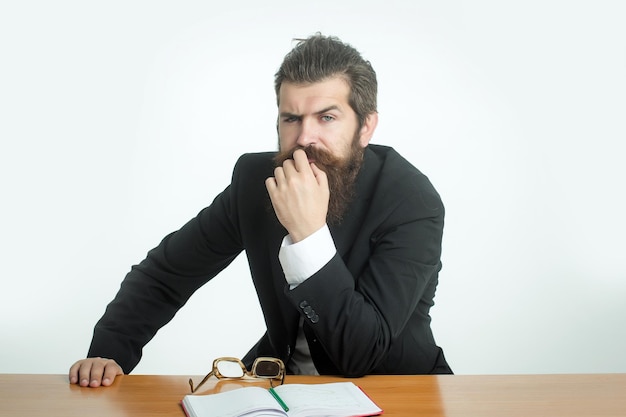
366 311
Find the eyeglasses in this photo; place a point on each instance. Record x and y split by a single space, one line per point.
227 367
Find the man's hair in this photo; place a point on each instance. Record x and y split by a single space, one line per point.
319 58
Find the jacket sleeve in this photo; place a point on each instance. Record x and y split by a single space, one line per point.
359 317
154 290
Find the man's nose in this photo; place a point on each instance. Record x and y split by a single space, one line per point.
307 135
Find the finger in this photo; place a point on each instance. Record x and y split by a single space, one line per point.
301 161
270 184
84 373
277 180
111 370
289 168
96 372
73 374
320 175
279 175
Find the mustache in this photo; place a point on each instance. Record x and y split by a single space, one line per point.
321 158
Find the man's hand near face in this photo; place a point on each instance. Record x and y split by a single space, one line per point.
299 194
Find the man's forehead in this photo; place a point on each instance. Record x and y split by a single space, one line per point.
333 92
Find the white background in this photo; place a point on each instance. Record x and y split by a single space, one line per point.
120 120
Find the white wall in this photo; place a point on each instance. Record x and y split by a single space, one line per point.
120 121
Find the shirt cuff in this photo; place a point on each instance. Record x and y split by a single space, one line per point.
303 259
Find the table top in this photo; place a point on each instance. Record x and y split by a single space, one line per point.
404 395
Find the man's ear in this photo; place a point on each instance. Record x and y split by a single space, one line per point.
368 128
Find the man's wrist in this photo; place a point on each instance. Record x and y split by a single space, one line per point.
300 235
302 259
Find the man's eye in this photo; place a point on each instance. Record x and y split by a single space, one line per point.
328 118
290 119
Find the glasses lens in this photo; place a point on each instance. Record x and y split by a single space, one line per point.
230 369
267 369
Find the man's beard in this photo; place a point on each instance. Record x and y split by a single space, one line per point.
341 174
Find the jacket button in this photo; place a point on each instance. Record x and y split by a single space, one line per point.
315 319
303 304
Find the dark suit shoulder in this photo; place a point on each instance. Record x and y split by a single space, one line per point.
253 163
399 177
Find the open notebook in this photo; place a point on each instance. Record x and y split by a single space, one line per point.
336 399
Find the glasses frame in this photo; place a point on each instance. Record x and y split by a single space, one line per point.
245 373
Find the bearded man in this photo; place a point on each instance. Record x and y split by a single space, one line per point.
343 240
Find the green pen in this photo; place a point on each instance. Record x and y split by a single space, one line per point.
277 398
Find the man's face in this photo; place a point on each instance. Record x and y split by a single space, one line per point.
320 116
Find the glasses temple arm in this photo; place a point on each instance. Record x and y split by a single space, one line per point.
201 382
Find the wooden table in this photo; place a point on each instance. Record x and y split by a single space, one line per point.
449 395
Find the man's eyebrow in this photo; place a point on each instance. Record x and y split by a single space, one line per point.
327 109
288 114
322 111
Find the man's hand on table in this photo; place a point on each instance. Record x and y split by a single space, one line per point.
94 372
